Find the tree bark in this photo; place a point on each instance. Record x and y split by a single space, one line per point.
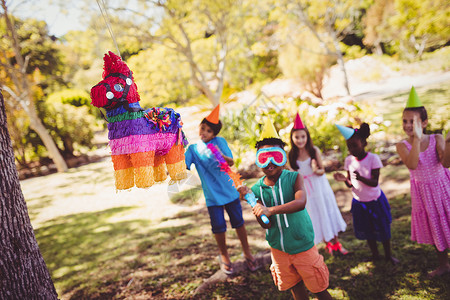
23 273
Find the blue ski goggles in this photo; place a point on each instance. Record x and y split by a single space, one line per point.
274 155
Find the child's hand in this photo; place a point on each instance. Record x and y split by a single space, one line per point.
358 176
417 127
243 190
314 165
339 176
259 210
229 160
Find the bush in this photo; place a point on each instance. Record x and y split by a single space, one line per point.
243 128
71 127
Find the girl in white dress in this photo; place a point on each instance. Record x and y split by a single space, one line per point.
321 204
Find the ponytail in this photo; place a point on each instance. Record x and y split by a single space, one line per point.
363 132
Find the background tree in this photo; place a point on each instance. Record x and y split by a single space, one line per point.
23 273
201 34
421 25
17 67
376 26
328 21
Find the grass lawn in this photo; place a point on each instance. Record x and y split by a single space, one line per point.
95 255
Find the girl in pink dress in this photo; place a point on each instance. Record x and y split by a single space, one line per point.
430 185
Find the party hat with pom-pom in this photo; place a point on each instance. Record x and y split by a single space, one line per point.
346 131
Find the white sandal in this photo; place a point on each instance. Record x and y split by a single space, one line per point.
229 271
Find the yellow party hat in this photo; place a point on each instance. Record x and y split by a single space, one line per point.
413 100
269 131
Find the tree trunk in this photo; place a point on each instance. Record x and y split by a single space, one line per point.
53 151
23 273
340 59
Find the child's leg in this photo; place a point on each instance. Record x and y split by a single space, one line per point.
242 234
374 248
444 266
337 246
324 295
387 252
299 291
219 228
234 211
222 244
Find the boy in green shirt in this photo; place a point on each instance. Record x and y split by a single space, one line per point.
296 262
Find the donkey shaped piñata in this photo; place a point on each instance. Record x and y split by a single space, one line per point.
142 142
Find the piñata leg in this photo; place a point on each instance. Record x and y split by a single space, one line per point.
143 163
160 169
123 171
175 162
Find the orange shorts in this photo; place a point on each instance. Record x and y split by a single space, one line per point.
289 269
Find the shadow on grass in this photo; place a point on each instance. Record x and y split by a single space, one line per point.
97 256
103 255
355 276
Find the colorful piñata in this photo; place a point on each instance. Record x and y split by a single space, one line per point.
143 142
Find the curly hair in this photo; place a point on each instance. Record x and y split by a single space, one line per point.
271 142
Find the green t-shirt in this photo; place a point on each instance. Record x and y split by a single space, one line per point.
291 233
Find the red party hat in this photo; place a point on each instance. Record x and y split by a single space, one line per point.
298 124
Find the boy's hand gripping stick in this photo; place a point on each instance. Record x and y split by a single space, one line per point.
251 199
235 177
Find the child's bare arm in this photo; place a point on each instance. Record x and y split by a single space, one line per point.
229 160
318 167
446 157
372 181
411 157
258 210
295 205
440 146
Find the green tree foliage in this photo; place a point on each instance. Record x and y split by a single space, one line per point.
328 21
421 25
72 127
300 61
208 41
161 77
377 30
19 84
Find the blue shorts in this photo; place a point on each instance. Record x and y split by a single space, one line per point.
372 220
217 216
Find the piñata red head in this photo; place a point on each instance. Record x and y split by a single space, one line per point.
117 87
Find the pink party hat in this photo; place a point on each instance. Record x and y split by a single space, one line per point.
298 124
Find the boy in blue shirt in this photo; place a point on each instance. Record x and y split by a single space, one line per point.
218 189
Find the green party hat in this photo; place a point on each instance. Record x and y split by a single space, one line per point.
413 100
